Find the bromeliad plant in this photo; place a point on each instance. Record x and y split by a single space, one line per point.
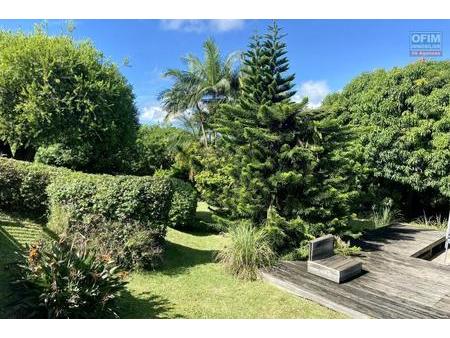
66 281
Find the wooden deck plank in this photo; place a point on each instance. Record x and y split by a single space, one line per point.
394 285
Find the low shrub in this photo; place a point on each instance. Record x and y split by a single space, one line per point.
298 254
65 281
248 251
184 204
286 235
345 249
133 245
124 216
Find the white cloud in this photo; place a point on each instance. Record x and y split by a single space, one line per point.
226 25
315 91
199 26
152 114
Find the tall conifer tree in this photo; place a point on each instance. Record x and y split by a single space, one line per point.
276 147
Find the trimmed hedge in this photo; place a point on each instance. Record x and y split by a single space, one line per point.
115 198
23 186
184 204
122 216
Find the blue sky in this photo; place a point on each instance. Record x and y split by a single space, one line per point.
324 54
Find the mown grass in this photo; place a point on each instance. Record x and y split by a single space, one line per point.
15 232
190 284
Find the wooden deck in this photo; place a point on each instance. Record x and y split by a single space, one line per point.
395 284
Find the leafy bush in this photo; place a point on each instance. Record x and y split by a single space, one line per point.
57 90
213 178
284 235
116 198
157 148
61 156
88 99
249 250
64 281
23 186
125 216
184 204
345 249
400 125
131 244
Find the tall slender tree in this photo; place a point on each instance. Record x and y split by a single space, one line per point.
261 123
279 161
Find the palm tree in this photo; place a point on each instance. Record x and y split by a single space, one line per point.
196 91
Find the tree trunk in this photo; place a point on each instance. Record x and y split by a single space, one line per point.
204 134
202 127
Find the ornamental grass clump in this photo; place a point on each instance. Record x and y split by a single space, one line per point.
384 215
434 222
248 251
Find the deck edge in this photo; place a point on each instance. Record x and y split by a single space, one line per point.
297 291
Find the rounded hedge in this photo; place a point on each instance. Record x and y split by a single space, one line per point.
54 89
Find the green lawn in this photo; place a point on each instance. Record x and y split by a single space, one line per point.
15 232
189 285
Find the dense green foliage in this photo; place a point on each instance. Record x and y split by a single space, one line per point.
401 123
123 216
183 205
159 148
23 186
54 90
283 171
263 71
60 155
197 91
213 178
283 154
64 281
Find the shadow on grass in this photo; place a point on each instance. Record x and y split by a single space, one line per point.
178 258
8 244
206 220
8 257
145 305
